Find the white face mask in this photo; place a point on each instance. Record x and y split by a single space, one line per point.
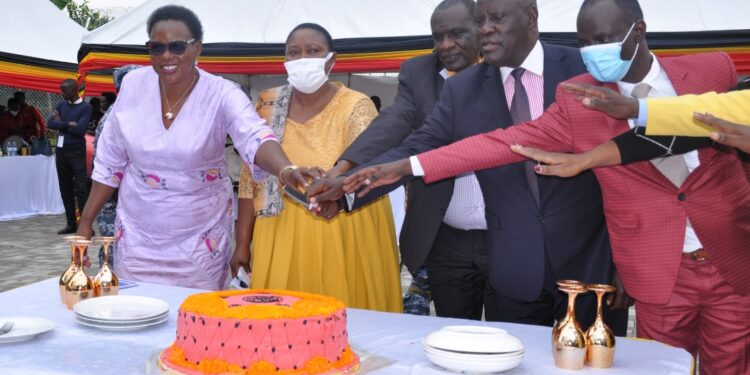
308 74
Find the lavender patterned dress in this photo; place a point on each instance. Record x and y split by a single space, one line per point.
174 216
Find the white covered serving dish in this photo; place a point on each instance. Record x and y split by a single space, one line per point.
474 349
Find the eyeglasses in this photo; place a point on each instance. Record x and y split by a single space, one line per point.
175 48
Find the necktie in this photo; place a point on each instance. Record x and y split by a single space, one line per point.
672 167
520 112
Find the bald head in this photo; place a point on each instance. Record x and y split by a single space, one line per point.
508 30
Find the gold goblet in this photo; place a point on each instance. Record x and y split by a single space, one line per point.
568 339
80 286
600 341
72 267
106 282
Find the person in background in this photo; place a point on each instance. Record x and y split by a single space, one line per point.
376 101
29 119
71 118
162 145
7 123
105 221
352 257
107 99
96 114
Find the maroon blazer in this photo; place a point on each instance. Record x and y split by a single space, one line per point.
646 215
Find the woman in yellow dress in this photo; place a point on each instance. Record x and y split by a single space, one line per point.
353 256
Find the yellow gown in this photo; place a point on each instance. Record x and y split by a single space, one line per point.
352 257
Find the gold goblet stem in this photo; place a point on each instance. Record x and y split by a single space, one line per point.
600 340
568 340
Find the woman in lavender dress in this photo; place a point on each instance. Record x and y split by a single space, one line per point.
163 147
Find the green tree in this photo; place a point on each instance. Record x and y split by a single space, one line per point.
82 13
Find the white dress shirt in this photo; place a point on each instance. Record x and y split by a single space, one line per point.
661 86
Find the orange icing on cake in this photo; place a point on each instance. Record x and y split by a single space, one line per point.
260 332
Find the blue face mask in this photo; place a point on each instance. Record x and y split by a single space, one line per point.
603 60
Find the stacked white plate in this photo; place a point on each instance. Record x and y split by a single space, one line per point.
474 349
121 313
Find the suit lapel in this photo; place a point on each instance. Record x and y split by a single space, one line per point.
682 85
494 93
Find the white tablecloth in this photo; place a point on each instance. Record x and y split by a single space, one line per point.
391 340
28 187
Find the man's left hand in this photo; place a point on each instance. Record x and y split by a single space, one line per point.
620 300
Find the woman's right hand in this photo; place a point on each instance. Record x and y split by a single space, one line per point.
300 176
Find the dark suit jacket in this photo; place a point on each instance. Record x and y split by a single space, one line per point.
570 223
419 86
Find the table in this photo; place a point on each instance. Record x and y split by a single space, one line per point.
29 187
392 340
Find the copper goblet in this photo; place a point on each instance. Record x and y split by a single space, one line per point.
105 282
72 267
568 339
600 341
80 286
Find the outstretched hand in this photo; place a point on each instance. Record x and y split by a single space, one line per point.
727 133
604 99
300 177
556 164
325 189
377 175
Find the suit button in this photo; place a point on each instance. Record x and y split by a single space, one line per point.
681 197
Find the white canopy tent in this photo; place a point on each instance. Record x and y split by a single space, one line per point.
36 28
269 21
38 46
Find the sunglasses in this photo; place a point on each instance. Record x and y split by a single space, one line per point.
175 48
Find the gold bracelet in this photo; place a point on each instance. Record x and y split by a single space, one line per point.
281 172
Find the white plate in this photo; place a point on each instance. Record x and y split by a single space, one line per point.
24 328
120 323
132 327
121 308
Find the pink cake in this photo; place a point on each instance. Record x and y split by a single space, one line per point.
259 332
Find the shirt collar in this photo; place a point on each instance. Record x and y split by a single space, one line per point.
534 63
651 78
79 101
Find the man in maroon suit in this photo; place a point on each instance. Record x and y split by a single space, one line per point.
679 225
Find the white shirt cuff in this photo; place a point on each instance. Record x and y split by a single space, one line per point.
642 113
416 167
350 200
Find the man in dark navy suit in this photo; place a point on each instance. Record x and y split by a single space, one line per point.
539 229
420 80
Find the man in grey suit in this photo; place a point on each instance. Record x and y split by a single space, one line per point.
420 82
